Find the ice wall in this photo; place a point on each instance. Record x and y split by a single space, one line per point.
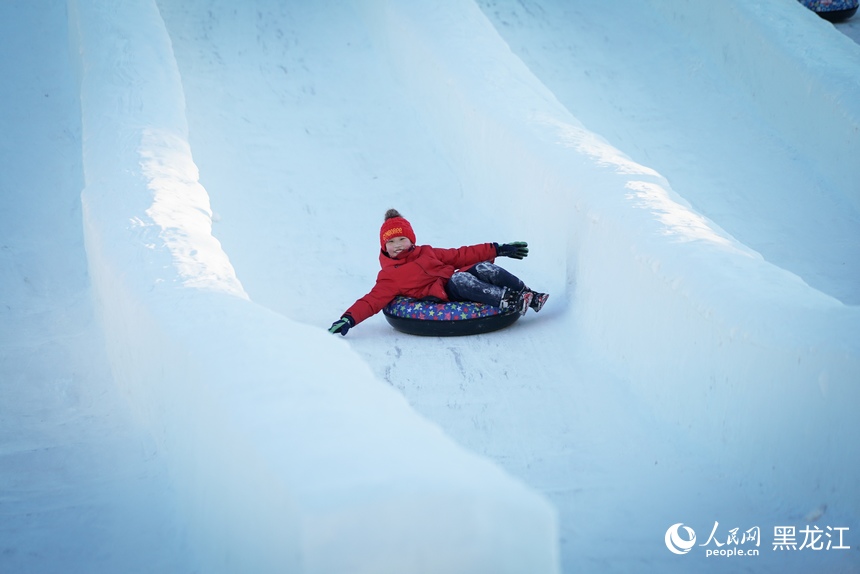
756 367
286 453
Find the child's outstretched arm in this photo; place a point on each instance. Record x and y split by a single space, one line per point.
371 304
471 254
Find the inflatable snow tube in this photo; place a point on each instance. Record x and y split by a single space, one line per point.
833 10
446 319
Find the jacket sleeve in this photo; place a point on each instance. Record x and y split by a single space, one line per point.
467 255
372 303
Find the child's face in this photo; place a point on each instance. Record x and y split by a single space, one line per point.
397 245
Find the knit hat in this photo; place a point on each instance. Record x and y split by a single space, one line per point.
395 225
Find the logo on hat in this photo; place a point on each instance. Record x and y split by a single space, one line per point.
393 232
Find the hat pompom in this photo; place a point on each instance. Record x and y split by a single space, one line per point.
392 213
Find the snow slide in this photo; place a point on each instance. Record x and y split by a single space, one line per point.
665 328
678 374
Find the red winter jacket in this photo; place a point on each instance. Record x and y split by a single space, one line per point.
422 272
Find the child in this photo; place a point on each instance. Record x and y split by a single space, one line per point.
433 274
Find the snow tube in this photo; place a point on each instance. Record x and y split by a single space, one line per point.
446 319
833 10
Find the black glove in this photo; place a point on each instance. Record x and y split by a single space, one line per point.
515 250
342 325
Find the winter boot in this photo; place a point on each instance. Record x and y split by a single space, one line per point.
519 300
538 300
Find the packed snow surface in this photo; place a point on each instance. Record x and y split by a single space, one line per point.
192 192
